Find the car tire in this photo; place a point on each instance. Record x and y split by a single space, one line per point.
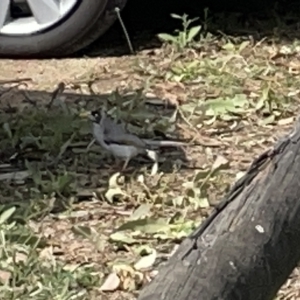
82 26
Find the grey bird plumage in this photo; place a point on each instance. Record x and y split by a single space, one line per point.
121 144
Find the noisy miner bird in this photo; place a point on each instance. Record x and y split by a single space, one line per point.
121 144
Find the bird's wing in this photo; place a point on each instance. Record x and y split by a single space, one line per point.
116 133
125 139
112 128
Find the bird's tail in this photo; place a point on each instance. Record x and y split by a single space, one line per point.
165 143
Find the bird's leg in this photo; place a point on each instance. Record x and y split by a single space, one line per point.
118 164
126 163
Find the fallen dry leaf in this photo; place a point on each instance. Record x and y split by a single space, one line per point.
111 283
5 277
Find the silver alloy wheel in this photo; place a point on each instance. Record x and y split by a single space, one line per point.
42 14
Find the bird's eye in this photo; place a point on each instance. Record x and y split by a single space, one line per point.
95 114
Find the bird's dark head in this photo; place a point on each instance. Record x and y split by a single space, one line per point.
95 116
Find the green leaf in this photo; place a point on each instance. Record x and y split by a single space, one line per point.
182 39
223 107
82 231
229 47
7 129
167 38
65 146
63 182
203 203
175 16
260 104
60 123
243 45
193 32
122 237
142 211
7 214
200 175
26 239
240 100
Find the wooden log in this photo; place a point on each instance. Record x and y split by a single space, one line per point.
250 244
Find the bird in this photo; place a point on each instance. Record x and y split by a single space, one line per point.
105 130
121 144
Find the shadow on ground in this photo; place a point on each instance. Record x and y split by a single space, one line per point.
44 143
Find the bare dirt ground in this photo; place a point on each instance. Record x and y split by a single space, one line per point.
95 232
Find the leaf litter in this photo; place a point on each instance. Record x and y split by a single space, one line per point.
68 209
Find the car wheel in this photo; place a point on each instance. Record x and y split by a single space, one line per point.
43 28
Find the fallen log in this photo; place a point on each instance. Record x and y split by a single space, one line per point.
250 244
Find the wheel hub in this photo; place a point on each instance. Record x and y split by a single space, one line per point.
27 17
